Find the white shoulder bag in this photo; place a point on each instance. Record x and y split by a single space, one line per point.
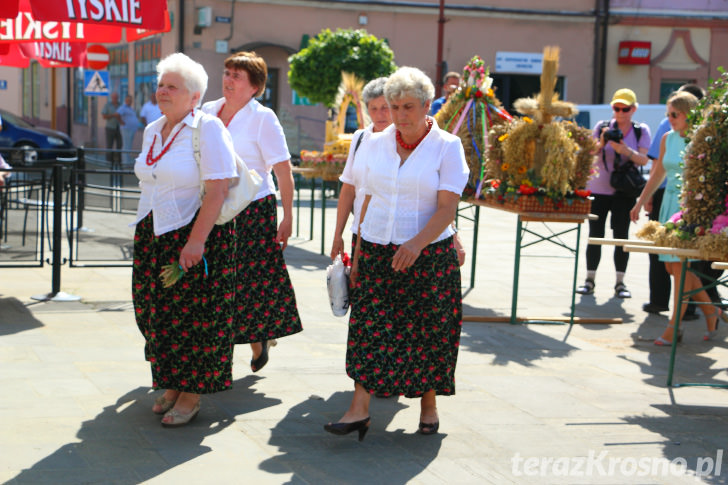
242 190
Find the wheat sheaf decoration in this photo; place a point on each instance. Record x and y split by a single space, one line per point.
540 154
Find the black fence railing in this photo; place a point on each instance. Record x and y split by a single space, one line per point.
88 196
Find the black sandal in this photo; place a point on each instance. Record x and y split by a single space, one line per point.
587 288
621 291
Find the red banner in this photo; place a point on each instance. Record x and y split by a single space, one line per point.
144 14
136 34
25 28
13 57
56 54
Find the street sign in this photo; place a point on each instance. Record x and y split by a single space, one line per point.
518 62
97 57
96 83
3 84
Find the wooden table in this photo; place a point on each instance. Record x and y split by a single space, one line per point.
544 218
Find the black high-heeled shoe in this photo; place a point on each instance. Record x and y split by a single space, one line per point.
345 428
428 428
259 363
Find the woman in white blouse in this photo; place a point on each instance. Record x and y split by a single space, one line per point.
187 326
406 304
351 195
265 302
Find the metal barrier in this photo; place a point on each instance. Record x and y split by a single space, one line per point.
23 204
36 200
92 202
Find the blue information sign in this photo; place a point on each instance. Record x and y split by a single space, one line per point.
96 83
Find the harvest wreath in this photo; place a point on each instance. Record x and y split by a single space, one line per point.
702 223
329 163
539 164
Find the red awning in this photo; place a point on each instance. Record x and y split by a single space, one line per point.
33 21
142 14
11 56
56 54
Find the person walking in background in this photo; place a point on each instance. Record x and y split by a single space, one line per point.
150 110
112 130
620 141
669 164
406 303
351 195
187 325
129 126
452 81
266 302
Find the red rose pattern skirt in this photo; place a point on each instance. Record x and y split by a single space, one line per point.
188 327
265 302
404 327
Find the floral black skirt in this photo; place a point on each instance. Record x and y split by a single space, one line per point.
404 328
265 302
188 326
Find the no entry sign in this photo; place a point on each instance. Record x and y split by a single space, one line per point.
97 57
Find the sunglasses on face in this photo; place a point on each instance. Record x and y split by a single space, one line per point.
623 110
673 114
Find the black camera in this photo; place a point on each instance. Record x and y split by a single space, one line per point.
613 134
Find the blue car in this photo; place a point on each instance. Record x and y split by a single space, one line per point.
22 143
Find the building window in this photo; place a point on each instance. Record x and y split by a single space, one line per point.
119 71
510 87
270 95
80 100
667 87
31 91
146 57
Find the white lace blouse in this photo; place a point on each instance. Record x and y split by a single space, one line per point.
171 186
354 171
258 139
405 198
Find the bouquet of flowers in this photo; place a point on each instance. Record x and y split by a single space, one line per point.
470 113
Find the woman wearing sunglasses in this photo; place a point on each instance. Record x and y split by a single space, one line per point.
620 141
668 165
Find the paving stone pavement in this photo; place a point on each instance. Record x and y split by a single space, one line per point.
535 403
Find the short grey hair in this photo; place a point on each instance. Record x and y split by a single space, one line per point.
373 90
409 81
192 72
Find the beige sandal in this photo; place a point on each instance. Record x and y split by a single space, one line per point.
164 404
176 419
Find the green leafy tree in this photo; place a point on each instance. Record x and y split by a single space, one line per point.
316 70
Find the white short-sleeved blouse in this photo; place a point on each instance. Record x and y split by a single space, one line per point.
171 186
405 198
258 139
354 170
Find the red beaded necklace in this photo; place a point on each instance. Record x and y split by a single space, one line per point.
152 160
412 146
219 112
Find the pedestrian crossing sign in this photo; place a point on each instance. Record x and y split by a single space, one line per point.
96 83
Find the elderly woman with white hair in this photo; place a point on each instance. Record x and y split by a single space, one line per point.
188 325
351 195
406 303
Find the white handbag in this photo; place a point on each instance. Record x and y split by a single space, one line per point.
242 190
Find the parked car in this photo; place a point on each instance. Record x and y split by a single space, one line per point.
23 143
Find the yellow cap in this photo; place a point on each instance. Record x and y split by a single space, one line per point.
624 96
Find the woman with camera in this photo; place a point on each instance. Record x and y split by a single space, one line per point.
621 142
